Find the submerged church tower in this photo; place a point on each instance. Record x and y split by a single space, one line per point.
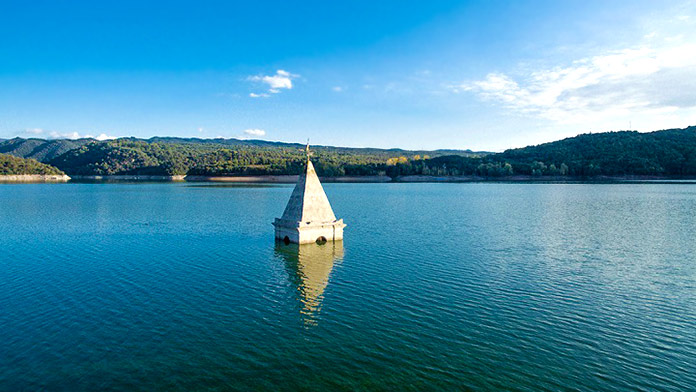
308 217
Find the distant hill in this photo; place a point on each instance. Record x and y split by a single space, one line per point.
220 157
669 152
40 149
12 165
177 156
268 144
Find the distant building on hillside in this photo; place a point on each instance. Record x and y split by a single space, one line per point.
308 217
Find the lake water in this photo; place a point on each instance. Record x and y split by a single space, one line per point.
436 286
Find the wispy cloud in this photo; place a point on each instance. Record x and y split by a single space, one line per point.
644 80
282 80
77 135
255 132
38 132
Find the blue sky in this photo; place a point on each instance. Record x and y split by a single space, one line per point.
484 75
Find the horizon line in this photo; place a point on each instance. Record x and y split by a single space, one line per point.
331 146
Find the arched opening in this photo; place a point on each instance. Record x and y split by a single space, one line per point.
321 240
286 240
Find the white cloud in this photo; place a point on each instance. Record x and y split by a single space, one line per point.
337 89
77 135
34 132
69 135
262 95
275 83
645 82
255 132
103 136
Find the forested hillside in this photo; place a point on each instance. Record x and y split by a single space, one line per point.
131 156
11 165
670 152
40 149
218 157
661 153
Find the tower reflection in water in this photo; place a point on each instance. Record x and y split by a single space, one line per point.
309 267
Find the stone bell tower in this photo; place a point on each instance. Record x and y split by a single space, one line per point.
308 217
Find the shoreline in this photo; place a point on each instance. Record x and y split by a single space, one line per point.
279 179
287 179
291 179
116 178
545 179
33 178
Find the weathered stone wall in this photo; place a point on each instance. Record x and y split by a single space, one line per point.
292 234
310 234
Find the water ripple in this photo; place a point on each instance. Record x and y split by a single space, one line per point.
436 286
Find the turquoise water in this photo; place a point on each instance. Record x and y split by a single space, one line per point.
437 286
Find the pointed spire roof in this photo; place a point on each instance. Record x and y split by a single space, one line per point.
308 202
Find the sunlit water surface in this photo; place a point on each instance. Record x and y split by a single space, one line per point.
436 286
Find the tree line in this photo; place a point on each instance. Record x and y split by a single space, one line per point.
12 165
663 153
